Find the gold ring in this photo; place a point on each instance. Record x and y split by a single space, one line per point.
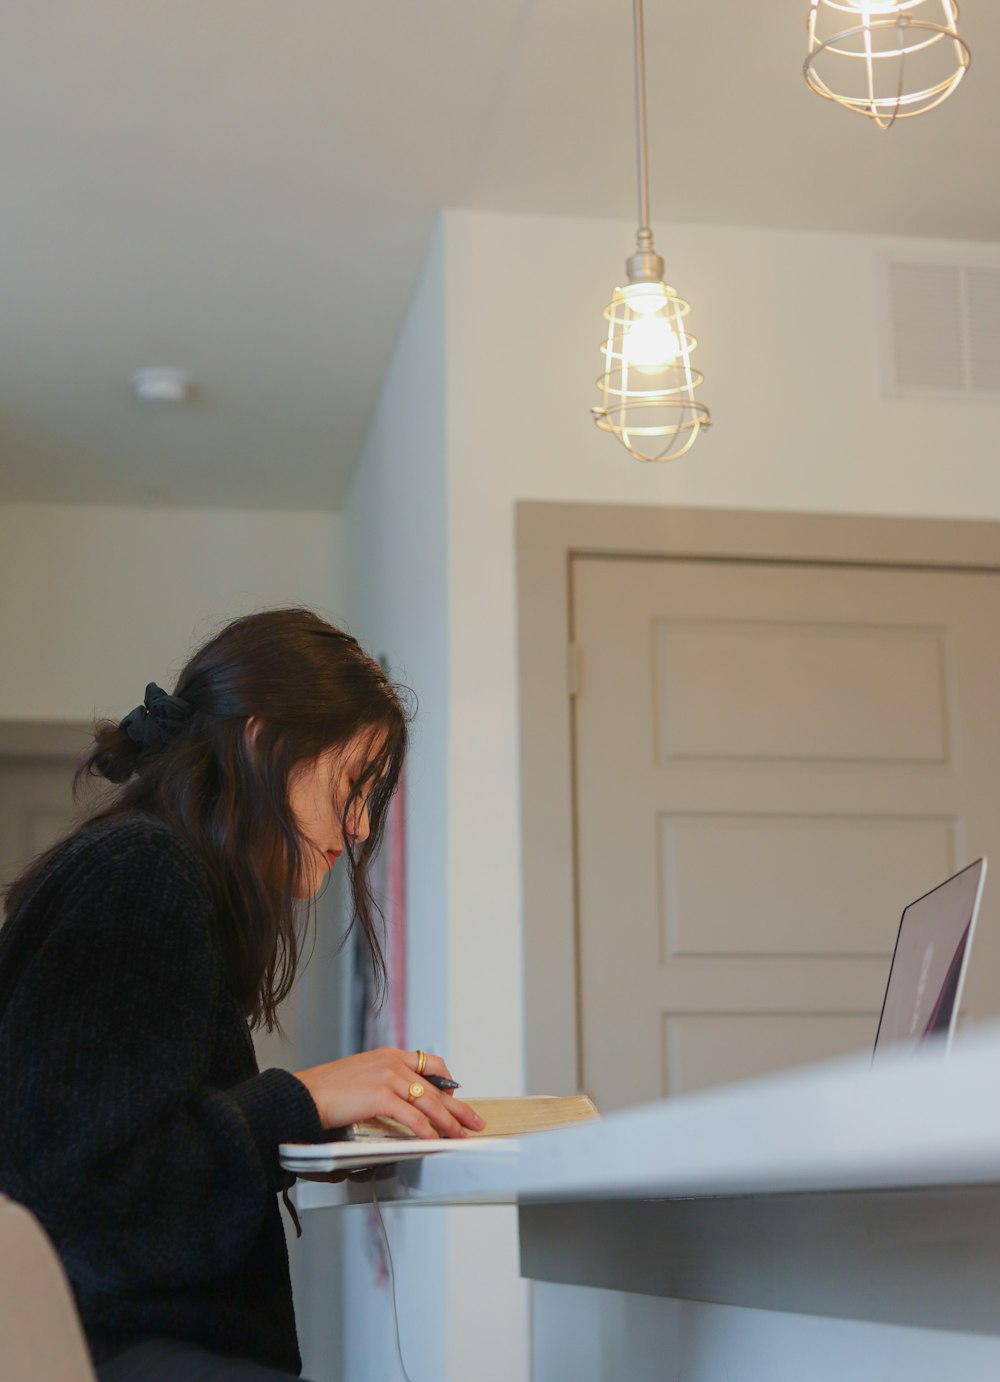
421 1062
415 1092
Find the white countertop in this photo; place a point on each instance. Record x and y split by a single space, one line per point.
911 1121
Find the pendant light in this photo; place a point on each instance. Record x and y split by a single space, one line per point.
885 59
647 387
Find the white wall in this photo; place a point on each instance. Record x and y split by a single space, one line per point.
790 349
487 402
97 601
395 524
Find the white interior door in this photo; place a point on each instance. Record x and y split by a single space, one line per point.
771 760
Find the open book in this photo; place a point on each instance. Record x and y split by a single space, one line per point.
504 1117
379 1140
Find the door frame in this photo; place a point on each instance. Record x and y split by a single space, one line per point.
549 535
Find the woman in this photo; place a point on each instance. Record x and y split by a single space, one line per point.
133 1119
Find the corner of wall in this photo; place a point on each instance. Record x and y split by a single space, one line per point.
397 590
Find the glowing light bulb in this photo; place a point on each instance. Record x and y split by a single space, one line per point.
651 342
645 298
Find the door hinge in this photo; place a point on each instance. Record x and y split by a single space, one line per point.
573 669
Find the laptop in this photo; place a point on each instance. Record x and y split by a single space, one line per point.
929 963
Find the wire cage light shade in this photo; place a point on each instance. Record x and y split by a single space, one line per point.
885 59
647 387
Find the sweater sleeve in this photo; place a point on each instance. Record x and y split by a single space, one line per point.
143 1175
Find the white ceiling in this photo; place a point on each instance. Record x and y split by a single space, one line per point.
246 189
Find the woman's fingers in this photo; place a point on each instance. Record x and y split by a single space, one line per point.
431 1105
361 1086
410 1116
435 1065
463 1114
460 1113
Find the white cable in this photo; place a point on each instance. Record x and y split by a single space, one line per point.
392 1279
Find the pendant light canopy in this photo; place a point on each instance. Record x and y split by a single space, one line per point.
885 59
648 384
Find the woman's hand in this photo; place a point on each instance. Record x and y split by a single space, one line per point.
376 1084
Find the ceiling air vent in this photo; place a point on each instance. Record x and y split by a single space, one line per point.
945 328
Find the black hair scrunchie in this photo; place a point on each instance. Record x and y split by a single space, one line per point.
159 720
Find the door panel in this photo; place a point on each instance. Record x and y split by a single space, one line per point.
711 864
812 692
718 1048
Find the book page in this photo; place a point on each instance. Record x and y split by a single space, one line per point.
504 1117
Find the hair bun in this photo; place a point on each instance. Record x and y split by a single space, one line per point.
114 755
150 726
159 719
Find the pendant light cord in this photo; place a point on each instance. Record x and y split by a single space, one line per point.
645 233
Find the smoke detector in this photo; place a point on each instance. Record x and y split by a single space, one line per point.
160 384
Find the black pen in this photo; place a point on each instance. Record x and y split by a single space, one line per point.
439 1082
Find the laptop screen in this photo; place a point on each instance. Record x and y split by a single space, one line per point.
928 967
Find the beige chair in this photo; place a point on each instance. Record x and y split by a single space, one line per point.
40 1335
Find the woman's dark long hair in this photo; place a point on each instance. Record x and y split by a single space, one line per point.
308 687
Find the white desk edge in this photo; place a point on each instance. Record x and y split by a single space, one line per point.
912 1121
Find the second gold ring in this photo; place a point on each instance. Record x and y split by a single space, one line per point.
416 1090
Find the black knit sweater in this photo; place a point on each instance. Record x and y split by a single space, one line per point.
133 1119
